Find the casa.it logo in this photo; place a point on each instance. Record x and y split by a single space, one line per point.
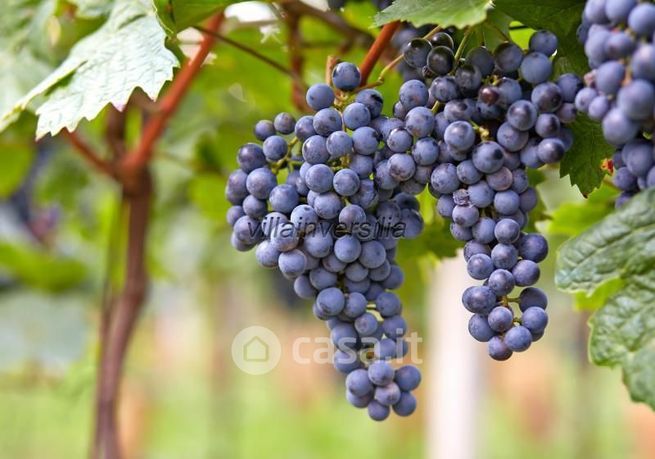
256 350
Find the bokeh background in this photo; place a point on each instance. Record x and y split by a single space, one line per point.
182 396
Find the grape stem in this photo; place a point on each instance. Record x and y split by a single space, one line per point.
376 50
462 46
88 153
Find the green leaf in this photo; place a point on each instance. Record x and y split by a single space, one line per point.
457 13
600 296
177 15
22 28
493 31
622 246
21 20
572 218
40 269
19 72
583 162
559 16
126 53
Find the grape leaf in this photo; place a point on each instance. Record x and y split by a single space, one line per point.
458 13
572 218
559 16
492 31
127 52
621 246
22 28
19 72
177 15
582 163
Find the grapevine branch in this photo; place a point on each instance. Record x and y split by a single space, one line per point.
296 60
138 159
87 152
119 320
124 314
377 49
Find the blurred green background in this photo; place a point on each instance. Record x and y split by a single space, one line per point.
183 397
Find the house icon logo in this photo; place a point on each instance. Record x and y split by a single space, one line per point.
256 350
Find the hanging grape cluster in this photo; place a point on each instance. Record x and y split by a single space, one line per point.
309 201
618 41
469 129
497 115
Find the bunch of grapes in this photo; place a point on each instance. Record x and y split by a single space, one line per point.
497 114
618 41
310 199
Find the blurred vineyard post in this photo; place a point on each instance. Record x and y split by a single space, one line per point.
455 377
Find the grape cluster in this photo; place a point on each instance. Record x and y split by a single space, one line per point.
312 200
620 93
497 114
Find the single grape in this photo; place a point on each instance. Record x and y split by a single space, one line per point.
543 41
479 299
284 123
501 282
264 129
479 328
320 96
498 350
508 57
501 319
413 93
480 266
326 121
536 68
346 76
642 19
518 338
415 52
377 411
406 405
440 60
535 319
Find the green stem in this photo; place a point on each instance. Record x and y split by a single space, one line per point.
462 46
